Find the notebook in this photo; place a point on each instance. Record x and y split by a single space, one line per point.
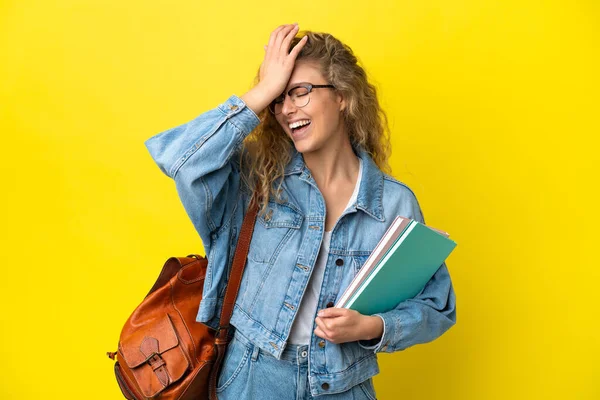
399 267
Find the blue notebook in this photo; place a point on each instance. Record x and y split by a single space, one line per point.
403 271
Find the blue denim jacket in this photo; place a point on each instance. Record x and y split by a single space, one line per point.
202 157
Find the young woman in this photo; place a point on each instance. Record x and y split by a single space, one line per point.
311 139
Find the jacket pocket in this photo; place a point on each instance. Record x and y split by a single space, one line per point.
359 261
273 230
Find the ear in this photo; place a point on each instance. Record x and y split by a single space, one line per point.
341 101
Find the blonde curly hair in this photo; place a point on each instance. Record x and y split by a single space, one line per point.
268 149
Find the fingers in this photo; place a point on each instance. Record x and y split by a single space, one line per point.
274 35
322 328
333 312
283 34
298 47
323 324
279 34
319 332
286 41
277 64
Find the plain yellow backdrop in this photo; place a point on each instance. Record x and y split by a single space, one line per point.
494 110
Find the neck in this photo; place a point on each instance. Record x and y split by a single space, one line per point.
333 166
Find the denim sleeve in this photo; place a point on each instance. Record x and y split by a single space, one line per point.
421 319
201 156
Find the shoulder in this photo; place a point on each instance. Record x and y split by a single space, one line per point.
400 199
392 185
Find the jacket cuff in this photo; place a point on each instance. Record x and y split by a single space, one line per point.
247 119
382 344
172 148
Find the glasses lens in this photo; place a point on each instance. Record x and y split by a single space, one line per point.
300 96
277 104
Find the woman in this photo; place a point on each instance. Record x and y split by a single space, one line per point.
311 139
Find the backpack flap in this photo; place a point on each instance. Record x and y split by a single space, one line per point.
154 357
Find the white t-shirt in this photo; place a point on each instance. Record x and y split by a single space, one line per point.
302 328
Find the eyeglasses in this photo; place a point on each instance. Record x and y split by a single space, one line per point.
300 96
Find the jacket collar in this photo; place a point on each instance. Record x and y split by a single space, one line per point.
370 192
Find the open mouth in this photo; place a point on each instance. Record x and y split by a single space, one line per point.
300 129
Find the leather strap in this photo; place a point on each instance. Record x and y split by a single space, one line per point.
233 286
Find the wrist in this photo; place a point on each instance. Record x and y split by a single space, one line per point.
258 98
375 327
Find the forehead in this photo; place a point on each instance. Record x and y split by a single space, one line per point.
305 72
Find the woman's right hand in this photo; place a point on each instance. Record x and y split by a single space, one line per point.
276 68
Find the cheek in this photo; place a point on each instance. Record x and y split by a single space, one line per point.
328 118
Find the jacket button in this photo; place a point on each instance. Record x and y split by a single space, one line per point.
233 107
325 386
339 262
330 304
322 344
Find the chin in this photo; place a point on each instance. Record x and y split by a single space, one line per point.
305 148
301 148
307 144
301 145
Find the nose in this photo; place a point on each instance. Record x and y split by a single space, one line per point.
288 106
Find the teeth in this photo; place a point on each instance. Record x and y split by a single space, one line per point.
299 123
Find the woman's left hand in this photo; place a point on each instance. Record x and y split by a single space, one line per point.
340 325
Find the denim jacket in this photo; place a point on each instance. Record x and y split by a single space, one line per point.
202 158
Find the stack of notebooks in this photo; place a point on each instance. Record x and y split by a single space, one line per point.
399 267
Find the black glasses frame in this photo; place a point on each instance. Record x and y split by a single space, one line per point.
281 98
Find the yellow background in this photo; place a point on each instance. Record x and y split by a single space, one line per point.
494 112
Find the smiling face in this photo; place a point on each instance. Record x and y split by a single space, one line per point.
325 129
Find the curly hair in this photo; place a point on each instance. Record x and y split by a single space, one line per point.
268 149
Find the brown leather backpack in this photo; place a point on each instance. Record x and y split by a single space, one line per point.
163 352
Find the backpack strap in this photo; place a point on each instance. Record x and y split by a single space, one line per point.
233 286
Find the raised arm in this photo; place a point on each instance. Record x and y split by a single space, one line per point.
202 155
